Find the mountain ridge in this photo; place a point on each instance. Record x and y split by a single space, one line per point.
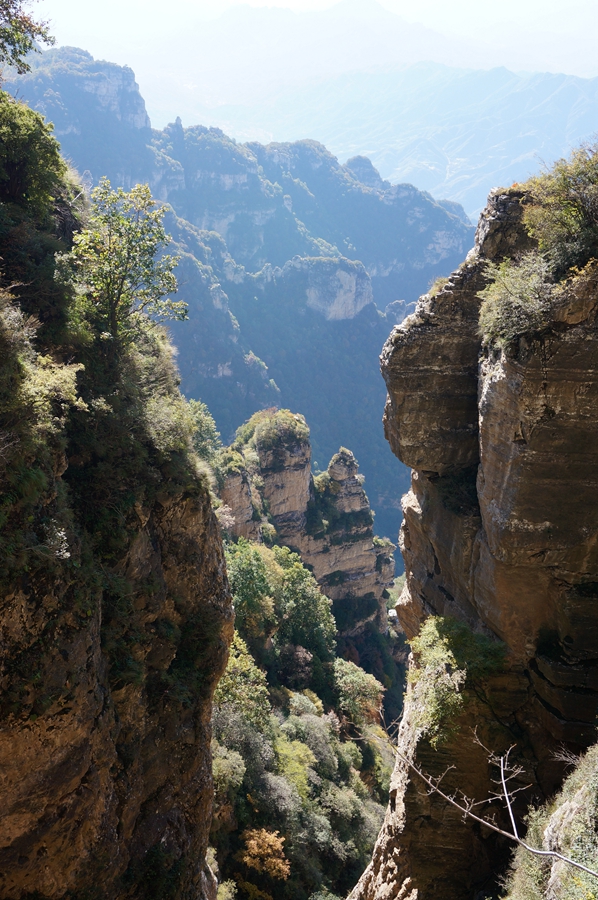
289 260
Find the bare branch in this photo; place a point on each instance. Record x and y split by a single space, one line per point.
487 823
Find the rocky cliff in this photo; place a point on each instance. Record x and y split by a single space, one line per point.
268 485
106 768
115 611
500 533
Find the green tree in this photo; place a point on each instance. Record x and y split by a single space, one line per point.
254 609
206 438
115 262
243 685
19 33
307 619
31 168
360 694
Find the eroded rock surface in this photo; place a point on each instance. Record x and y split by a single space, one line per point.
327 520
500 531
105 773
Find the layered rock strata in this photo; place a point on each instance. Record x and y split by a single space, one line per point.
327 520
500 531
105 778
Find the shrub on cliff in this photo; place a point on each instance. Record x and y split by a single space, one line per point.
40 207
566 823
271 429
450 659
563 213
31 168
517 300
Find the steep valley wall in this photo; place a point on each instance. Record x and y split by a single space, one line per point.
500 532
106 781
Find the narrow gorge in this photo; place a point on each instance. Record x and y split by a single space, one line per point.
213 685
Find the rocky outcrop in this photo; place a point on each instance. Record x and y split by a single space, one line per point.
327 520
337 288
105 766
500 531
236 494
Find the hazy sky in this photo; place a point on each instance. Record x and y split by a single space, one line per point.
104 22
181 62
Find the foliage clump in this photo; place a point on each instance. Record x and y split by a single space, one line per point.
308 768
31 168
206 437
243 685
360 694
450 659
563 213
264 852
561 216
273 428
517 300
40 207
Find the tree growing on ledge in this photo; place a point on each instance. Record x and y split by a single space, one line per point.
19 33
116 265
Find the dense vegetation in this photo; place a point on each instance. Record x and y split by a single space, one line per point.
301 765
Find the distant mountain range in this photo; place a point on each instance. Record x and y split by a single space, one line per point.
433 108
295 267
454 132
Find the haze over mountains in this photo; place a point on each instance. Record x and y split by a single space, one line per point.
295 267
451 114
454 132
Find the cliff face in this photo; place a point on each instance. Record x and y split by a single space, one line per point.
106 782
500 531
115 611
327 520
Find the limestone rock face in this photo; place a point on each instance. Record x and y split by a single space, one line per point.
236 494
107 777
327 520
286 474
500 531
339 290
